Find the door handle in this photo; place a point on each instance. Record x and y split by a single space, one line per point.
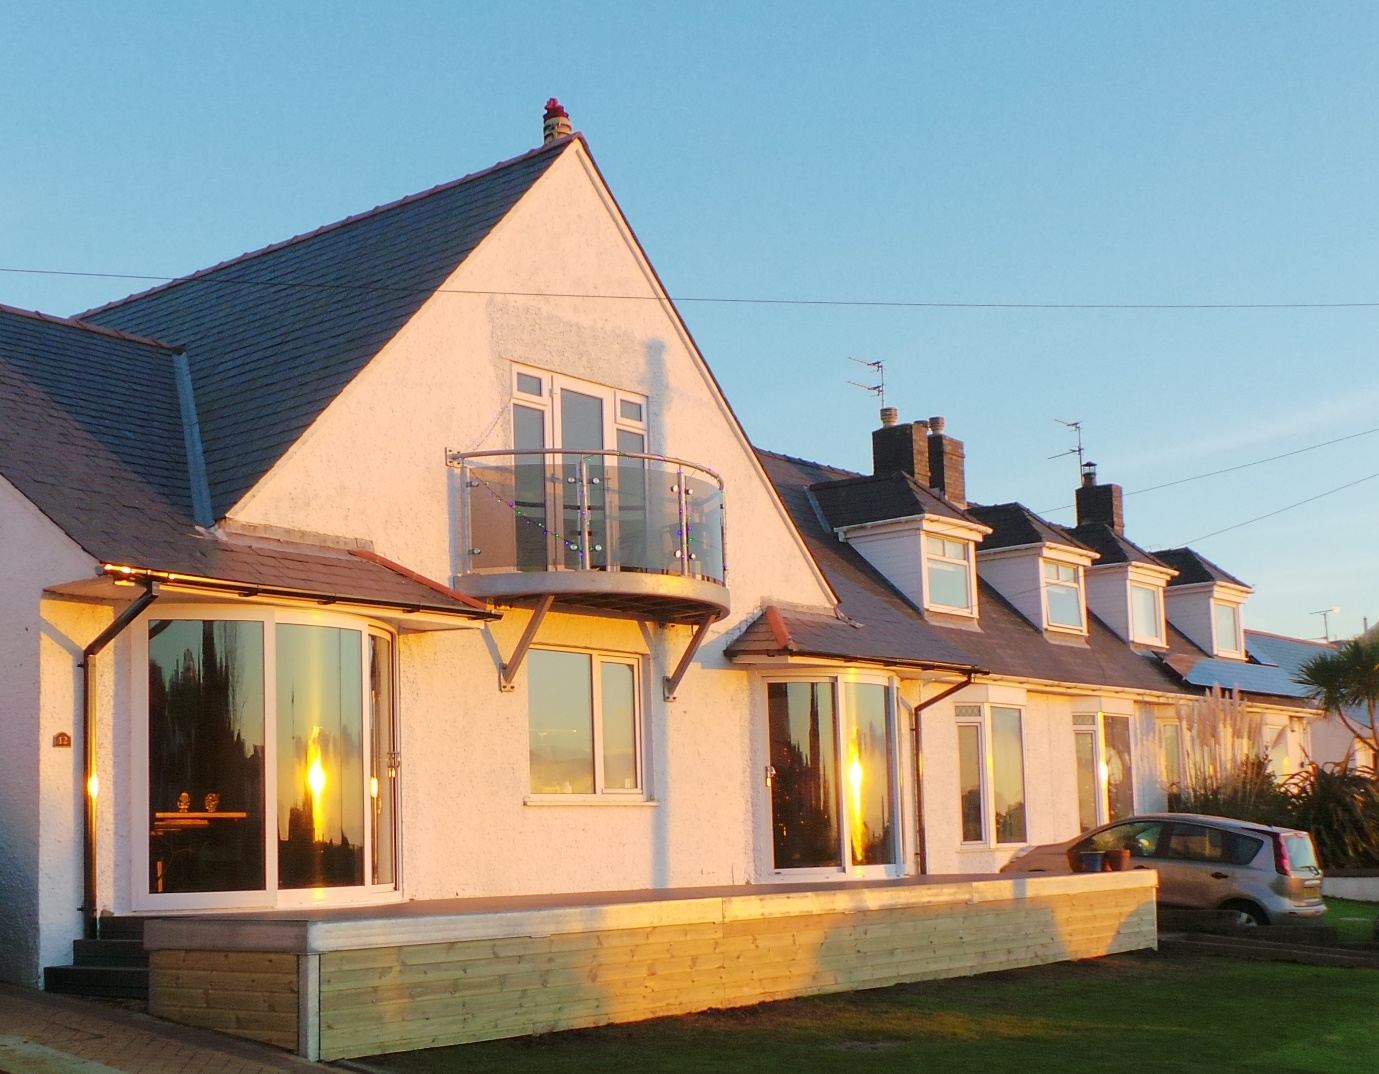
1220 876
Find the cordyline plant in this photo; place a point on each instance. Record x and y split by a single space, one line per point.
1346 680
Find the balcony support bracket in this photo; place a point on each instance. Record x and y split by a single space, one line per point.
672 681
508 672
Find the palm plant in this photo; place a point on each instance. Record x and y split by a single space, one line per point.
1347 679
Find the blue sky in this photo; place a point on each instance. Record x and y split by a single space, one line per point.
965 152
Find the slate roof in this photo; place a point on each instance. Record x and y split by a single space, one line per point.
1014 524
893 630
860 498
1111 546
274 336
1194 568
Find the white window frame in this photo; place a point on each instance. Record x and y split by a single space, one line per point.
1095 722
601 795
968 562
1158 593
271 897
1161 746
1077 585
963 716
548 403
843 725
1237 643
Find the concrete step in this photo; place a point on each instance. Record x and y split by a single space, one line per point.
125 982
109 953
120 928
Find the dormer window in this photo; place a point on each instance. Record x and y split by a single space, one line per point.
948 574
1146 614
1225 620
1062 595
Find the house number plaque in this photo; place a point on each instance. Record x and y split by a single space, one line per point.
62 741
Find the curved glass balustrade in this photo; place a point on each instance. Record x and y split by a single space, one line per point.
604 511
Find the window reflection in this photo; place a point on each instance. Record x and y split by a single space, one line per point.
382 759
970 775
205 756
561 722
320 757
1008 769
804 787
869 790
1085 742
1119 774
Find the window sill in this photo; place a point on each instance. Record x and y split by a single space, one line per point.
628 801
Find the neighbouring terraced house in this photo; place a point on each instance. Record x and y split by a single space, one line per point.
410 646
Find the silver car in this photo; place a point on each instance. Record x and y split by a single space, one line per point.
1270 875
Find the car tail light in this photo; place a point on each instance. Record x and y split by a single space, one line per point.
1281 862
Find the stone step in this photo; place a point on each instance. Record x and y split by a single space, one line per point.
124 982
109 953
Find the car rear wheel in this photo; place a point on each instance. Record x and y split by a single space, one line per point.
1250 913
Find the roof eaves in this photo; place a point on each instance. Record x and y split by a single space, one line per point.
421 579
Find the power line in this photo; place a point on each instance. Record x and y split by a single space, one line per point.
717 299
1232 469
1271 514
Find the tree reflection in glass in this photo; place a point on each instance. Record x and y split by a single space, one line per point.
804 787
205 756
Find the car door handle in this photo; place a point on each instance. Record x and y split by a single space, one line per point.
1220 876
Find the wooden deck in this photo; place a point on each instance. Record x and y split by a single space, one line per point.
337 983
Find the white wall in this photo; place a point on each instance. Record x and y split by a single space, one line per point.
899 556
373 467
1050 788
1190 612
1108 597
40 790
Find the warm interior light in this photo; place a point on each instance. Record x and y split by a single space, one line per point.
93 786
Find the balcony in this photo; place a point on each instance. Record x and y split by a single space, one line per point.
606 532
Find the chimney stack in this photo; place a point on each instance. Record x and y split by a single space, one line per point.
900 447
555 123
947 463
1102 504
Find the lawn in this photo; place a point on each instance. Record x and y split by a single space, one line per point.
1353 920
1129 1013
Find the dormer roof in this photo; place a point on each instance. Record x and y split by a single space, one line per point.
1114 547
1013 525
858 500
1194 568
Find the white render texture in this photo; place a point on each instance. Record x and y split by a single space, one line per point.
40 793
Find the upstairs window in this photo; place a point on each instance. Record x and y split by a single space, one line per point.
948 574
1226 620
1062 595
1146 620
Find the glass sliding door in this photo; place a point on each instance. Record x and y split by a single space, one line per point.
832 775
581 429
205 756
270 759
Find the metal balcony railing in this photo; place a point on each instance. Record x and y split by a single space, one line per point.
557 510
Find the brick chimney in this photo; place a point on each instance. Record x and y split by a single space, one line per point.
947 466
900 447
555 123
1099 503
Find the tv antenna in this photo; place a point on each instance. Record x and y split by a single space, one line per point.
879 388
1076 427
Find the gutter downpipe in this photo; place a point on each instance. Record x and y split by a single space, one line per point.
91 787
921 857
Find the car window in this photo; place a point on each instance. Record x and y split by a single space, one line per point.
1140 837
1197 842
